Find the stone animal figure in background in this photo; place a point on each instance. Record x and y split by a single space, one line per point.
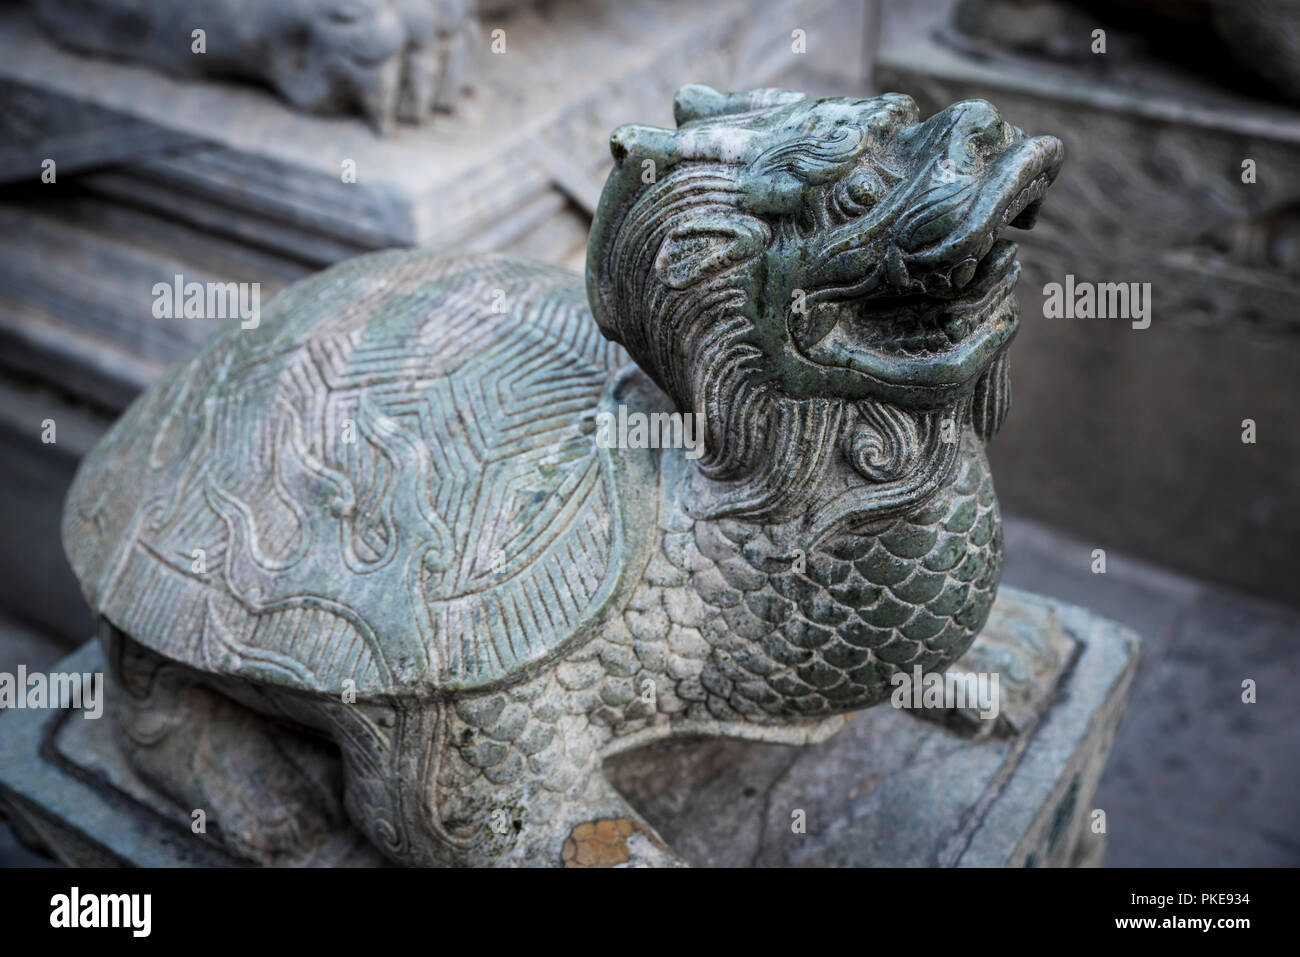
1214 39
386 519
386 59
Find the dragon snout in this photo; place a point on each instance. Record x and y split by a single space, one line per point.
954 216
973 175
916 295
964 134
972 163
982 127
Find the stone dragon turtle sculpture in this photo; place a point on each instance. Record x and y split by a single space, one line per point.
371 562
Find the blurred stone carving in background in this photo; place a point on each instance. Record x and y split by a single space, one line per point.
1238 42
388 60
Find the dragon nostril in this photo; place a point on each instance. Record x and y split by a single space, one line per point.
983 125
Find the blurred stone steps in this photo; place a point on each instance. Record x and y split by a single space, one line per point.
36 584
77 275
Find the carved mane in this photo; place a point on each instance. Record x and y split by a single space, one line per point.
677 273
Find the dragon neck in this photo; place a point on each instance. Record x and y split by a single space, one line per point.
817 631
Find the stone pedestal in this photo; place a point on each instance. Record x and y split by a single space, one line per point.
890 789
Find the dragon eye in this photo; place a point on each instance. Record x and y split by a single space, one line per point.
863 187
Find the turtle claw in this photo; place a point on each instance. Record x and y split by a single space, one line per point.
377 93
439 38
419 86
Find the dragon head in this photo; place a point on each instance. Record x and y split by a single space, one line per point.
824 279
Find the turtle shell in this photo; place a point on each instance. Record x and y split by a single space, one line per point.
391 485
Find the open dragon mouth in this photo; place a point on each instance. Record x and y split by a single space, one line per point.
931 319
920 325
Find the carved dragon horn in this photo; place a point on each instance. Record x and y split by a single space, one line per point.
697 100
632 144
692 102
642 142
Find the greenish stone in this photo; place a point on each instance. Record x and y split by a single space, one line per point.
434 552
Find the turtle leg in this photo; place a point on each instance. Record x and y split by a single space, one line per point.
482 783
579 820
271 793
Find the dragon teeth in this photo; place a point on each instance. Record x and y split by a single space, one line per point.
937 284
962 272
1030 194
896 268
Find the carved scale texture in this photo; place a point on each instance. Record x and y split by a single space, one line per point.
784 643
318 570
726 643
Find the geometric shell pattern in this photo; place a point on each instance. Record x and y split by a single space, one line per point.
393 479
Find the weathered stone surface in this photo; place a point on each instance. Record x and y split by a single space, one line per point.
1204 777
868 795
396 500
